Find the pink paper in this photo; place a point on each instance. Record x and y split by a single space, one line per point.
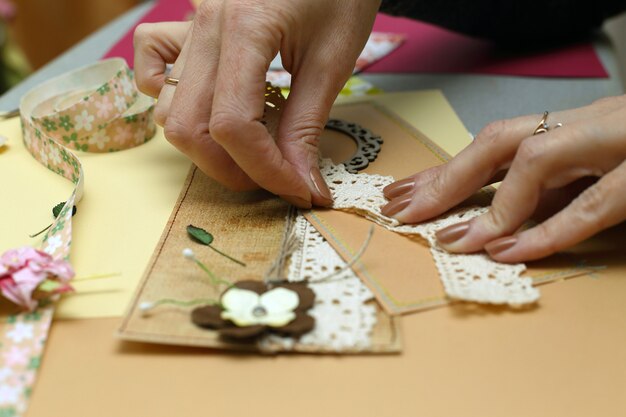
426 49
431 49
163 11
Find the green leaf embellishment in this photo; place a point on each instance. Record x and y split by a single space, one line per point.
56 211
202 236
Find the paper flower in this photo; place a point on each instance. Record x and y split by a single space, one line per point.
28 275
249 309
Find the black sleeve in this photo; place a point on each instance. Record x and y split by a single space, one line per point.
511 21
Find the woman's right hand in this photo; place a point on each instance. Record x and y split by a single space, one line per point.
214 113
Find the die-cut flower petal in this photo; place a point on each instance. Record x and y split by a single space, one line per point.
236 299
249 309
24 270
277 319
279 300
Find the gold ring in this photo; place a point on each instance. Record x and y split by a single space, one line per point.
543 125
171 81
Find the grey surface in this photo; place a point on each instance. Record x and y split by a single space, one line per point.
478 99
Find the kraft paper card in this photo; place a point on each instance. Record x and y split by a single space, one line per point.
247 225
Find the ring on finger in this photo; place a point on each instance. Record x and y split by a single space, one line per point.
543 125
171 81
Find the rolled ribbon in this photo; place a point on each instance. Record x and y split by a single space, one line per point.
96 108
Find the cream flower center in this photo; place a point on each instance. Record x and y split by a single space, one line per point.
274 308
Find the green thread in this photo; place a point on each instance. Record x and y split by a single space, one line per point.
214 280
188 303
227 256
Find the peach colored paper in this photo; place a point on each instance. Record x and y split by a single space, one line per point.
562 358
401 271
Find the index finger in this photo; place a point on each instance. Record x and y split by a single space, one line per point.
238 107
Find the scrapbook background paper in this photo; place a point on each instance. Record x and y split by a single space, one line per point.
455 358
462 360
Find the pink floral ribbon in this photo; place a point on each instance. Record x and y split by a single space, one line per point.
93 109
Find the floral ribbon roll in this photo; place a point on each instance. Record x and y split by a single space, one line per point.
92 109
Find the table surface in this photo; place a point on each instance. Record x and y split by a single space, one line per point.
477 99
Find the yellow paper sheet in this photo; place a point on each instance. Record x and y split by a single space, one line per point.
129 196
128 199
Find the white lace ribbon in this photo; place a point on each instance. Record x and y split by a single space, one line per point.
343 318
468 277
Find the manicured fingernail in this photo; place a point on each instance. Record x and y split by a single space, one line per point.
297 201
395 206
321 187
500 245
452 233
399 188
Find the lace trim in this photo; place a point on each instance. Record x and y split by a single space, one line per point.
343 319
473 277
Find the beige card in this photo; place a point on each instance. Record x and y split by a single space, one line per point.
248 226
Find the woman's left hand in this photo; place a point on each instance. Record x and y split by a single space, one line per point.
575 174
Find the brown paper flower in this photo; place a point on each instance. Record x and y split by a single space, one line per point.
249 309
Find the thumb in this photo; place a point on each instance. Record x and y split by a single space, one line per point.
157 44
313 92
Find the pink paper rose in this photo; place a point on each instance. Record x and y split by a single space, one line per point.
27 275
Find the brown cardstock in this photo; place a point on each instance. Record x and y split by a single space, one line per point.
400 270
245 225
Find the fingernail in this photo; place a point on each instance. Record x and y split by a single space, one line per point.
500 245
452 233
296 201
321 187
395 206
399 188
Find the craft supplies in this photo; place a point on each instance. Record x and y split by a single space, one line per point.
93 109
